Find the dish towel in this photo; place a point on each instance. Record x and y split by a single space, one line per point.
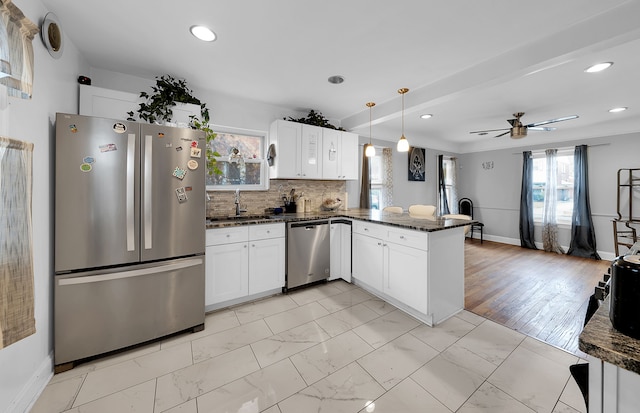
271 154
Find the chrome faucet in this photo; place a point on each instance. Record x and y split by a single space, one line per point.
237 202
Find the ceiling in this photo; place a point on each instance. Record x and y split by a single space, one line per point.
471 64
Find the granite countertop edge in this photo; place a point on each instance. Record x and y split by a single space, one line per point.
599 339
369 215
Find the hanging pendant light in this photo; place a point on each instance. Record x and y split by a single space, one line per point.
370 149
403 143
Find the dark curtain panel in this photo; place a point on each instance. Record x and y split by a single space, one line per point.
443 205
526 203
583 238
365 189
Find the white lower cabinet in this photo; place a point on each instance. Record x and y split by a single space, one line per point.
368 260
227 270
421 273
405 275
340 251
266 265
242 262
612 389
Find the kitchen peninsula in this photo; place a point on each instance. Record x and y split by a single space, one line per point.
415 264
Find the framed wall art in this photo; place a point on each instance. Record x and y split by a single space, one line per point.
416 169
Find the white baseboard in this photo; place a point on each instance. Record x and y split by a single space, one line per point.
26 399
605 255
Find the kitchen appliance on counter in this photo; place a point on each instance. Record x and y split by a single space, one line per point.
624 293
308 249
129 234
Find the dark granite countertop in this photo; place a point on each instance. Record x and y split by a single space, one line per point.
599 339
370 215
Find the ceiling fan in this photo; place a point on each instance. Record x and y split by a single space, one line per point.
518 130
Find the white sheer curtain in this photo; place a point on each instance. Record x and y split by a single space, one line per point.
387 178
549 222
16 34
17 319
453 192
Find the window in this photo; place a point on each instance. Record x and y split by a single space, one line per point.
564 208
375 178
241 160
448 165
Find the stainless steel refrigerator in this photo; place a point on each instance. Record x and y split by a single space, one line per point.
129 234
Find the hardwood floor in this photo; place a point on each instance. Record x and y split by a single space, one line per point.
541 294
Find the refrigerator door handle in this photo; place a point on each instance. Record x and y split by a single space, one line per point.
130 195
148 175
130 274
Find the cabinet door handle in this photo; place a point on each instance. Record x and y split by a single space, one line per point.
401 236
228 235
379 243
253 245
366 229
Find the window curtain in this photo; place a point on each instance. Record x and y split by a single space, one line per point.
365 181
443 206
526 203
583 237
549 221
387 177
17 33
16 262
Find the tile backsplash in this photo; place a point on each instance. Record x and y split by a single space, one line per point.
255 202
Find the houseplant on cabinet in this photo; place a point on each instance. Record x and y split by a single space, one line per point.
169 91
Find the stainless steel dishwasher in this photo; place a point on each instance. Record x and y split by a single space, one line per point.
308 256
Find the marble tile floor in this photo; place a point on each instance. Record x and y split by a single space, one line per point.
332 348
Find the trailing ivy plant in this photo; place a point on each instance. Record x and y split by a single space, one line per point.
166 93
209 153
314 118
158 108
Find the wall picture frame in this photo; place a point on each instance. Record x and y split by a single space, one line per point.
416 165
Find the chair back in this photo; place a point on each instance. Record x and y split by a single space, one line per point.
460 216
465 207
422 211
393 209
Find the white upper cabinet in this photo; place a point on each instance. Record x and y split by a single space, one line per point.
311 159
287 139
348 155
310 152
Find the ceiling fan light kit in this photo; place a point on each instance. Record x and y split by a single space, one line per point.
519 131
370 150
403 143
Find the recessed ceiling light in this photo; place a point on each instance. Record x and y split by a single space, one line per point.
336 79
203 33
599 67
426 116
616 110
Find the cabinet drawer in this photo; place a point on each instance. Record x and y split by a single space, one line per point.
265 231
219 236
414 239
372 230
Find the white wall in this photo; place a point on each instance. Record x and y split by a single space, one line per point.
405 192
224 109
496 192
26 366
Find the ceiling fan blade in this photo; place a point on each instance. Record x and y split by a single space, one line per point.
502 134
542 128
489 130
545 122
